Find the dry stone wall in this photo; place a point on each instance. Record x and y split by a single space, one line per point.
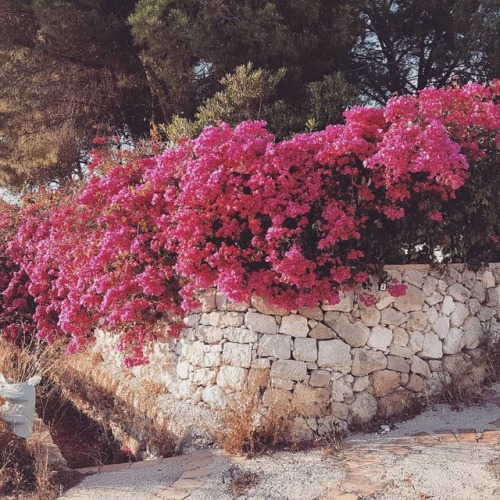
334 364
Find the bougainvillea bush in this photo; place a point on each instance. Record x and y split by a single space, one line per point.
292 221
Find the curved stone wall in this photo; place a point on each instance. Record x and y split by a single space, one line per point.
342 363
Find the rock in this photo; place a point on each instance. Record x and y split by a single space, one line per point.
225 319
346 304
320 378
370 316
474 306
183 370
278 400
413 300
310 402
261 323
204 376
479 291
261 363
294 325
281 383
257 378
434 298
237 354
395 403
212 359
214 397
339 410
414 277
322 332
441 327
289 370
334 354
459 315
493 296
415 383
384 382
488 279
400 337
341 389
276 346
454 341
420 367
195 353
416 342
330 318
448 306
380 338
458 292
473 332
361 383
367 361
417 321
192 320
232 378
432 347
355 334
486 313
240 335
363 408
312 313
207 300
209 334
392 317
401 351
397 364
429 286
385 300
305 349
264 307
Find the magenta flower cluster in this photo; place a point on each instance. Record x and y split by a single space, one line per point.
235 210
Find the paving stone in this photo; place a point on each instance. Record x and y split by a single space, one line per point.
172 494
467 435
336 494
490 437
445 436
195 473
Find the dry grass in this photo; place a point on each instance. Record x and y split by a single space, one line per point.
241 482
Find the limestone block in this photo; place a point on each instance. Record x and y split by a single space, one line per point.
264 307
469 279
473 332
232 378
436 365
355 334
451 276
486 313
261 363
459 315
294 325
207 300
261 323
429 286
195 353
397 364
209 334
363 408
442 287
384 382
400 337
413 300
226 318
401 351
448 306
309 401
454 341
392 317
493 297
315 313
192 320
320 378
237 354
417 321
432 347
341 389
366 361
224 304
278 399
370 316
289 370
212 359
415 383
395 403
204 376
434 298
361 383
346 303
458 292
441 327
404 378
322 332
380 338
385 300
281 383
339 410
240 335
334 354
277 346
414 277
420 367
331 317
257 378
488 279
214 396
183 370
479 291
305 349
416 342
